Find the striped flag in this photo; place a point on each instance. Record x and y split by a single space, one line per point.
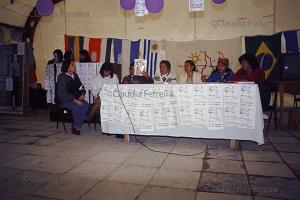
94 49
74 44
290 41
150 52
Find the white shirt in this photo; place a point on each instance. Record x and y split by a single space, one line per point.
196 78
99 81
165 79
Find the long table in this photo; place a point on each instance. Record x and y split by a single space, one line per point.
221 111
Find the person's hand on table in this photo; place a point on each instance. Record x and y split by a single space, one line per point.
203 78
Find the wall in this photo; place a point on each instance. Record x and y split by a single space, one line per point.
103 18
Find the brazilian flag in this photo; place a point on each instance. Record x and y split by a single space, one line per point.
267 50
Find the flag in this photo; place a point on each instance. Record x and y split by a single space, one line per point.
204 53
149 50
267 50
86 43
125 57
290 41
134 50
108 49
95 49
117 51
74 44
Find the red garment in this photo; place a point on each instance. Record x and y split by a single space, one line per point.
257 76
32 76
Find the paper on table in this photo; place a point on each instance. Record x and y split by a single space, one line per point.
215 107
247 106
107 101
185 104
200 106
146 111
231 105
132 107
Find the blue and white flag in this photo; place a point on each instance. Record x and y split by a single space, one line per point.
290 41
149 50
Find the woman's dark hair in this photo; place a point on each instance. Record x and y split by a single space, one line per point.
190 62
86 56
251 59
59 53
65 65
69 56
107 67
167 63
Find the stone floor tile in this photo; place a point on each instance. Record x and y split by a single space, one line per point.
261 156
67 188
132 174
23 140
265 198
216 143
113 191
288 147
176 179
48 141
268 169
36 163
183 163
253 146
293 160
275 187
92 170
110 157
27 182
158 193
146 158
4 157
224 154
4 138
284 140
191 151
225 166
123 147
224 183
221 196
6 173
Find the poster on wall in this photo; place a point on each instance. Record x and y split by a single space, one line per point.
196 5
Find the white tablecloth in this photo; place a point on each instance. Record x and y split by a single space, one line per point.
221 111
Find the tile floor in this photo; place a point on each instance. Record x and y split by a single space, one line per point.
40 162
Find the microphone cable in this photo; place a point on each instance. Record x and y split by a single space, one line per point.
150 149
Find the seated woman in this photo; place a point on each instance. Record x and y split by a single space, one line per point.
221 74
191 76
106 76
251 72
165 76
70 94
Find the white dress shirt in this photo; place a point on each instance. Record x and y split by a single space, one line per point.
99 81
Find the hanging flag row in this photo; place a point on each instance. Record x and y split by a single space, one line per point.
118 51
